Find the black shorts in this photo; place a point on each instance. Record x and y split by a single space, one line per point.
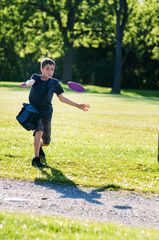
45 126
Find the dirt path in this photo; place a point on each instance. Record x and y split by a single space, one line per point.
80 203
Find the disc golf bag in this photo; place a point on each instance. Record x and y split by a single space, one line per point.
28 117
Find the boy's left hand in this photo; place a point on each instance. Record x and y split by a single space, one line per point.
84 107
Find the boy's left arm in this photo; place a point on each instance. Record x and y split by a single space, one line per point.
82 106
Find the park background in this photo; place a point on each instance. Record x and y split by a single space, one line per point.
109 43
109 46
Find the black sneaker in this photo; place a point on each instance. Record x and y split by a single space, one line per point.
41 153
36 163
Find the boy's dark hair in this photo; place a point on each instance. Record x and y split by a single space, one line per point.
46 61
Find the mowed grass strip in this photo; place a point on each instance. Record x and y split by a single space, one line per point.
113 146
26 227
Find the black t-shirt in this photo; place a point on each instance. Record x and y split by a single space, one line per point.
38 97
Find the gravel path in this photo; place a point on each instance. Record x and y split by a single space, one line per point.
127 208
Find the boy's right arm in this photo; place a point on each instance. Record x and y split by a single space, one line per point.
28 83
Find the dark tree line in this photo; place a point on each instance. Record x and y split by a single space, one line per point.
113 43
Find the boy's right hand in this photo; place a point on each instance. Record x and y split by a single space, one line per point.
23 85
28 83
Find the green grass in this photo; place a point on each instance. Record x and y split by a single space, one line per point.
26 227
113 146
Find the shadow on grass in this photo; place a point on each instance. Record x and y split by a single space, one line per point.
55 179
13 87
92 89
143 93
110 187
10 155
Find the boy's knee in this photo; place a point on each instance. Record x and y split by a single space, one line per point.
39 133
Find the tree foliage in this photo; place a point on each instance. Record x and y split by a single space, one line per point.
95 39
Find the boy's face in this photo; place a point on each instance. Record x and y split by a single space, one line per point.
47 71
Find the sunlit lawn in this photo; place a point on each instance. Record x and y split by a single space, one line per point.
114 145
28 227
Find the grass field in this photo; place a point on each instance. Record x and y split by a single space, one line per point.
28 227
113 146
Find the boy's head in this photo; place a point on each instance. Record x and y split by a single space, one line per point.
47 68
46 61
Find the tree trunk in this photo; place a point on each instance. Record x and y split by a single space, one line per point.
118 67
121 17
67 65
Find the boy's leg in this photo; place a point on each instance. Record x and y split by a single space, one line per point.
37 142
36 160
37 137
42 136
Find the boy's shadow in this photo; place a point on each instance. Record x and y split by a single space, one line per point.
66 186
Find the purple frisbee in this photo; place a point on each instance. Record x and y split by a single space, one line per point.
76 86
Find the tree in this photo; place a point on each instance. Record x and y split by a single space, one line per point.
52 27
141 71
66 15
122 13
12 66
76 25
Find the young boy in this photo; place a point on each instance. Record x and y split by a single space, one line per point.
42 102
